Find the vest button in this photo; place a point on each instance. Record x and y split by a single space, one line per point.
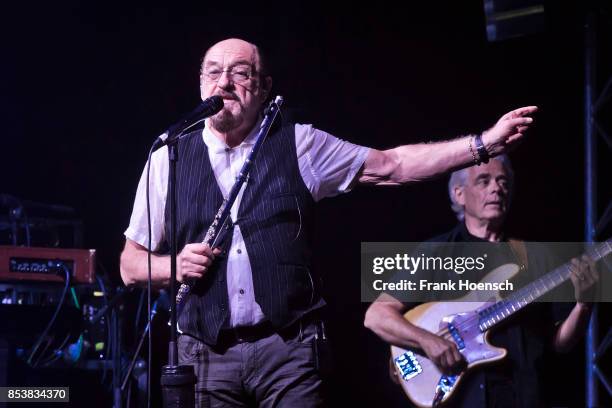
241 291
239 250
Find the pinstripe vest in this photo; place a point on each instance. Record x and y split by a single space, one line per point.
275 217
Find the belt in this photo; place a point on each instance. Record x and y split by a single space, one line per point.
248 334
245 334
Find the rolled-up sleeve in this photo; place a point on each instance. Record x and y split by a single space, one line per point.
137 231
328 165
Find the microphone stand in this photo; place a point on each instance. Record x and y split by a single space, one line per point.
177 381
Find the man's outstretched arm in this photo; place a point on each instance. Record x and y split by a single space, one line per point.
418 162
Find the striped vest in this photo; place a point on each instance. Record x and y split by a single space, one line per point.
275 218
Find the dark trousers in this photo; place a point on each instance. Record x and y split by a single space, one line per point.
278 370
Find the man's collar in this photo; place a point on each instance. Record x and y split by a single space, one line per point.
217 145
468 237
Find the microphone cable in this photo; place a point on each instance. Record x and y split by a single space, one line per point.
149 282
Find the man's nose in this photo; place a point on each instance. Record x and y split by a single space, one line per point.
493 187
497 188
224 81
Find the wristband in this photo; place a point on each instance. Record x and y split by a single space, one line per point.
483 155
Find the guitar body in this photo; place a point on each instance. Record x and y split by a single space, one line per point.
421 380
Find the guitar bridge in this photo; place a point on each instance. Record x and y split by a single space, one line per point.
408 365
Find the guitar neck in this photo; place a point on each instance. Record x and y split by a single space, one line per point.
499 311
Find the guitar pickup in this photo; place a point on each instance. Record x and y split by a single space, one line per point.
456 336
408 365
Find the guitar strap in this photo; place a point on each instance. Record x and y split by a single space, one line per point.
520 252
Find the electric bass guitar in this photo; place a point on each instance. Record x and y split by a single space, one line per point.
466 322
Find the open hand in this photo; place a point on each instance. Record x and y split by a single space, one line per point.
508 130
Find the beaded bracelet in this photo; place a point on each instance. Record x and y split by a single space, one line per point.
476 162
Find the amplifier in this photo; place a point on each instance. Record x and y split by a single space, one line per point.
36 264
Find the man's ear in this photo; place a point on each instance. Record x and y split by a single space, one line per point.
459 195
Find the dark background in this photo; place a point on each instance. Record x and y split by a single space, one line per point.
86 86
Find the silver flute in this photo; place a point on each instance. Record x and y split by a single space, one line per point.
223 214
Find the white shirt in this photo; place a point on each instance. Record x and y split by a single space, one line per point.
327 165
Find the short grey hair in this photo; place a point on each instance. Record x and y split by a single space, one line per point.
459 178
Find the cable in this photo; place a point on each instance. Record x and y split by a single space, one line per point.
129 396
48 343
57 353
74 298
55 314
149 280
106 321
139 346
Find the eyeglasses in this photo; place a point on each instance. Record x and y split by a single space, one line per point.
237 74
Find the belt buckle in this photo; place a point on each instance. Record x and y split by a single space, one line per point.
245 334
237 336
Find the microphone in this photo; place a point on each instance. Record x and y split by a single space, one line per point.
207 108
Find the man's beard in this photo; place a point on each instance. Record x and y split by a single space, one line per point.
225 121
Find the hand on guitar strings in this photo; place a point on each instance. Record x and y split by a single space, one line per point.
442 352
584 277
